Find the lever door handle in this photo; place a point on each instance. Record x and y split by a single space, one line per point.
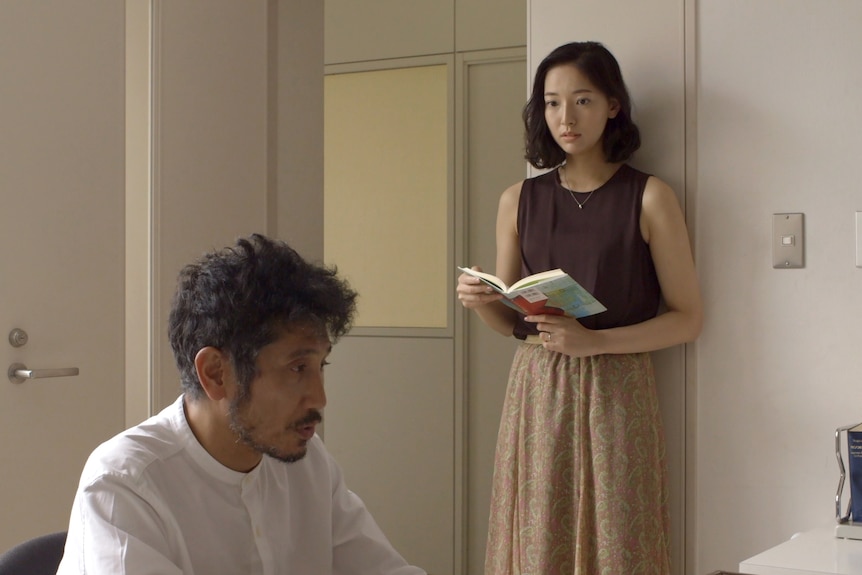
19 373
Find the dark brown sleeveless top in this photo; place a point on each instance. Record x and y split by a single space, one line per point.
600 245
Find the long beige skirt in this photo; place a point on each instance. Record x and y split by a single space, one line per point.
580 480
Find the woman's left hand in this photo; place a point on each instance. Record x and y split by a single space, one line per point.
566 335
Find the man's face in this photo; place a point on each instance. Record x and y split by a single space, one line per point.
278 412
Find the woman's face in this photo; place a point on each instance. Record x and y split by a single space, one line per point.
576 112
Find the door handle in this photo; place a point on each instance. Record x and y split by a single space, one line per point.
18 372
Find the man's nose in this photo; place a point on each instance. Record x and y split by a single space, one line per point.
316 396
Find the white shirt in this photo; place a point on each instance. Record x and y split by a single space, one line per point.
152 501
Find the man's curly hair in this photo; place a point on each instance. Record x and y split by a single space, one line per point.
238 299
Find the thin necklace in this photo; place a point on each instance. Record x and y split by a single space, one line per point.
571 193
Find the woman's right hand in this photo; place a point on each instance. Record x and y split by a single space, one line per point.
472 293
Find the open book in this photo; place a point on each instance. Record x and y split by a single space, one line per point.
551 292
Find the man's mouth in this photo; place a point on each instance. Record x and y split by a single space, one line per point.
305 427
306 432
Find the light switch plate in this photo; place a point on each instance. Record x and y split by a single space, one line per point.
788 241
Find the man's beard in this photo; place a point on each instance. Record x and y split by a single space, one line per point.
245 435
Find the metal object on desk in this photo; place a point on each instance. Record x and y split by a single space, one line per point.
846 528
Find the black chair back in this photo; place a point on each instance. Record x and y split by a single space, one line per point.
38 556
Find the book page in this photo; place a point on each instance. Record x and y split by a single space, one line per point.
490 279
536 278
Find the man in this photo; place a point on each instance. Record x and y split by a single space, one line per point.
232 479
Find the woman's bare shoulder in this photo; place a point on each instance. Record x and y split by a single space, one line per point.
511 195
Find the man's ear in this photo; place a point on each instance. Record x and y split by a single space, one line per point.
213 369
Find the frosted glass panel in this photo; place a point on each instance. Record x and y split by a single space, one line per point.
386 192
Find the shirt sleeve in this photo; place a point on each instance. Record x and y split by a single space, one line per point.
115 531
359 545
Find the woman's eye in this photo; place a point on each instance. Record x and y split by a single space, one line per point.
583 101
550 103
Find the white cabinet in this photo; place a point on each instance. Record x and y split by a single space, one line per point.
816 552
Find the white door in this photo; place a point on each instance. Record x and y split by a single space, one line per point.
61 249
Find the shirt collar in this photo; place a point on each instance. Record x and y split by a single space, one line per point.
201 456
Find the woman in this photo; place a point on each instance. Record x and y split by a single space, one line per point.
580 481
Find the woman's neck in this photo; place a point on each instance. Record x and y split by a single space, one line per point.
584 176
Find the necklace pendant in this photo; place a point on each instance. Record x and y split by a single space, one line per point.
564 181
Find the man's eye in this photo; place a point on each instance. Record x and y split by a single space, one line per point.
299 368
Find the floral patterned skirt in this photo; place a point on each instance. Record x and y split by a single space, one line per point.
580 479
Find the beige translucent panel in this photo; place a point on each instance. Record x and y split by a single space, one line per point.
386 192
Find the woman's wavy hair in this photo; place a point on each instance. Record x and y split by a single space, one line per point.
238 300
621 137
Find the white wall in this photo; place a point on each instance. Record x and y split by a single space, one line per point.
779 130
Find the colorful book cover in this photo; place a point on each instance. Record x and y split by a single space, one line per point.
559 296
